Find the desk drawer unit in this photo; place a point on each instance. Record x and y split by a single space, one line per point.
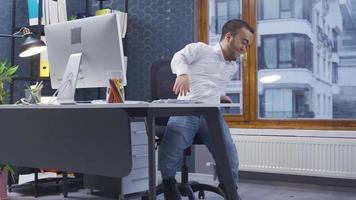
139 156
138 133
137 180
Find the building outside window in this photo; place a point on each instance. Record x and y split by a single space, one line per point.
314 62
285 51
335 40
220 11
288 52
324 66
344 71
284 9
318 63
286 103
334 73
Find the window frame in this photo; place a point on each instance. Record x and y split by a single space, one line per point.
293 62
249 117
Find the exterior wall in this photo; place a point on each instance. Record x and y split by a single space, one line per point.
320 78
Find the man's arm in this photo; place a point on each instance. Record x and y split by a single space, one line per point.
180 64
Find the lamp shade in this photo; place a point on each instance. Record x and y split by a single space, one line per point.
32 46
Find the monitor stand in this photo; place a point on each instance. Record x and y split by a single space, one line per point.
66 90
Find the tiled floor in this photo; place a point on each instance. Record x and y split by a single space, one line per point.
249 190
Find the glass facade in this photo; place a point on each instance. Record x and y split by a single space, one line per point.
315 62
285 51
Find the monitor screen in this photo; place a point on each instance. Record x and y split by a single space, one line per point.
94 42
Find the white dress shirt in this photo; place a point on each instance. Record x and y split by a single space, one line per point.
207 69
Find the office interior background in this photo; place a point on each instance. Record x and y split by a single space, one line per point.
301 123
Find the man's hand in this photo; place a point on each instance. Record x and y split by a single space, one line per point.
181 86
225 99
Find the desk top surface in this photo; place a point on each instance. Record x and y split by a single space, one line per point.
111 105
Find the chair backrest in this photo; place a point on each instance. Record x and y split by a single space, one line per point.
162 80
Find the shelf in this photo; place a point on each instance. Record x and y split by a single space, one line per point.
37 31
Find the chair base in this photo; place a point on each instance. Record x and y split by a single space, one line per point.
188 190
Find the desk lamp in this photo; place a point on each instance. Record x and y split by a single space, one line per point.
31 46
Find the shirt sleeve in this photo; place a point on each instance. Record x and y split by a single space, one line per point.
183 58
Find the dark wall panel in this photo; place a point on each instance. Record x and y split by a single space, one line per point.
156 29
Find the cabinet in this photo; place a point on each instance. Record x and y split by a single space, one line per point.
137 180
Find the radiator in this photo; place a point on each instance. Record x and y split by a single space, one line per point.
325 157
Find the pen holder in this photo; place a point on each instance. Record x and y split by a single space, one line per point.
115 91
33 96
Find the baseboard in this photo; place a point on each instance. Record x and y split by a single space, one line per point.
298 179
207 178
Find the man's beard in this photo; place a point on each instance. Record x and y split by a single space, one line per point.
232 52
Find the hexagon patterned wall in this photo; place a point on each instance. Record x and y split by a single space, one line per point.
156 29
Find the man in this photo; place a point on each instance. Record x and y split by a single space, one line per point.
202 74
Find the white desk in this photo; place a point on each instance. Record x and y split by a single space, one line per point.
96 119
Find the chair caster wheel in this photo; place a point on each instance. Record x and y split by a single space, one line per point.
201 195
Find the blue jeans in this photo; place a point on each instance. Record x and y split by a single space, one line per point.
179 135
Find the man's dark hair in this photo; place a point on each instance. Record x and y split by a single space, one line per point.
233 26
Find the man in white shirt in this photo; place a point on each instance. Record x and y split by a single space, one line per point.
203 72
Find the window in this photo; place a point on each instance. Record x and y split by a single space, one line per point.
221 15
329 106
277 103
284 9
221 11
275 97
318 63
324 22
285 51
335 42
329 71
322 96
270 52
334 73
318 103
301 103
270 9
324 66
325 105
299 10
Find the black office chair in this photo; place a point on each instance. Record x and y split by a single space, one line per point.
162 80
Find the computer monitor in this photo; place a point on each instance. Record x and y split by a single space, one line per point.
84 53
